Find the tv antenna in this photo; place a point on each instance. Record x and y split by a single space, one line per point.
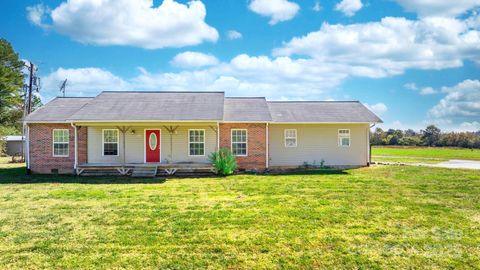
63 85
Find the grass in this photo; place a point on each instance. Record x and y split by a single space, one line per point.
422 154
369 218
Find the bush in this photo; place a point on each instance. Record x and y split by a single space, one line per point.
223 162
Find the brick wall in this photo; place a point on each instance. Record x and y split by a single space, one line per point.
41 152
256 144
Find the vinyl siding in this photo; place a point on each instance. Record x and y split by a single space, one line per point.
134 145
316 142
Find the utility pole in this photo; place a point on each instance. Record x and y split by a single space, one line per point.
30 85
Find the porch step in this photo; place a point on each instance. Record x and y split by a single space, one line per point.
144 171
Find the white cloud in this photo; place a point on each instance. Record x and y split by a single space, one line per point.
128 22
193 60
36 14
427 91
447 8
277 10
389 47
410 86
317 7
470 126
349 7
379 108
232 34
81 82
461 104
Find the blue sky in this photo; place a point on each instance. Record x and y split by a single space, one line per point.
413 62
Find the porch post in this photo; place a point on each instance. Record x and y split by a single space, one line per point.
75 146
218 136
124 130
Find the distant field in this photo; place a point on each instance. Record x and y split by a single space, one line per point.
423 154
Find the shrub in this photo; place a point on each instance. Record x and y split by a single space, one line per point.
223 162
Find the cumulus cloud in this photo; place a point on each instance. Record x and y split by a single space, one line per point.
437 8
128 22
410 86
461 104
317 7
193 60
277 10
379 108
390 46
349 7
37 15
81 82
470 126
427 91
232 34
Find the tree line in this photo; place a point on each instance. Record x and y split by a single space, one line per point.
12 94
430 136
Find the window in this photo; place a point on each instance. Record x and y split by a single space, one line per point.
239 142
60 142
110 142
196 142
344 137
290 138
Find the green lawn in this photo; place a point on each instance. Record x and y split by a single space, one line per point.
422 154
377 217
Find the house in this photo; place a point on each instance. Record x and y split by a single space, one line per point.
14 145
125 129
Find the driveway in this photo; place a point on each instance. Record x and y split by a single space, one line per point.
459 164
453 164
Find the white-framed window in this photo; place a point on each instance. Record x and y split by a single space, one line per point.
290 138
239 142
60 142
344 137
196 142
110 142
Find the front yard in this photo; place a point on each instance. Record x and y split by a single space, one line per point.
377 217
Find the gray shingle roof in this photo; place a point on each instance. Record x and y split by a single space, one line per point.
59 109
246 109
155 106
321 111
199 106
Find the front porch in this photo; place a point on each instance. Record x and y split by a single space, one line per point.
159 169
153 149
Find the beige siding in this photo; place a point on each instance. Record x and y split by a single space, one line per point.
134 145
316 142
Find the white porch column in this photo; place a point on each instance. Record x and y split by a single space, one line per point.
267 147
76 148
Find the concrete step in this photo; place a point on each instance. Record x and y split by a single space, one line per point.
142 171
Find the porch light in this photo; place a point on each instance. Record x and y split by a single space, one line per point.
132 131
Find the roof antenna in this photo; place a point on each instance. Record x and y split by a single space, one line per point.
63 85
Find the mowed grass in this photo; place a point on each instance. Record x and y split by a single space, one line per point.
422 154
369 218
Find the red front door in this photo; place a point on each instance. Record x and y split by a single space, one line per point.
152 145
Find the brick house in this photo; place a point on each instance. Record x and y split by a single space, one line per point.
168 130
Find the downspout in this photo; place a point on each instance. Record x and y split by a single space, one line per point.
27 146
369 145
76 153
267 147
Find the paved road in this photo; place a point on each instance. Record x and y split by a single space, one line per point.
460 164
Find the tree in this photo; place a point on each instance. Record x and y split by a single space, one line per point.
431 135
11 82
